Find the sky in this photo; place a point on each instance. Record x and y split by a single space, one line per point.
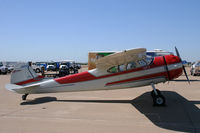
54 30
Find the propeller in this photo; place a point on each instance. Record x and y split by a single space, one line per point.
177 53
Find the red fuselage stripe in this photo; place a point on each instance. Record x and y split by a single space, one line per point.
162 74
30 80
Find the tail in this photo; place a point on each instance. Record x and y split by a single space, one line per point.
23 74
22 79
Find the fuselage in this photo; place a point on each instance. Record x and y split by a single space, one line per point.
159 69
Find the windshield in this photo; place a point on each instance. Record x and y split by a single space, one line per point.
51 63
154 54
65 63
40 63
1 64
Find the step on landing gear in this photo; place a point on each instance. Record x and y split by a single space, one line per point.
158 98
24 96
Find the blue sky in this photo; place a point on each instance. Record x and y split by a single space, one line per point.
45 30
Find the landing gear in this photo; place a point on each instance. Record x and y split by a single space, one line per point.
24 96
153 93
158 98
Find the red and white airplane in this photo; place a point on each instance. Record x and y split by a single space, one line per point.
127 69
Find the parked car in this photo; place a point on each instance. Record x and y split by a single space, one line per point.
10 68
64 64
78 66
73 67
51 66
64 70
42 64
195 69
3 69
37 67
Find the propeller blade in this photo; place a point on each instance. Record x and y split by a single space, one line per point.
177 53
186 74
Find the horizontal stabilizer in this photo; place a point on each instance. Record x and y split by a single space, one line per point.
20 89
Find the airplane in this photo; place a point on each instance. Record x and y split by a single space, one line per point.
126 69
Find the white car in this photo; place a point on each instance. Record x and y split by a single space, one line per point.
51 67
195 69
10 68
65 65
3 69
37 68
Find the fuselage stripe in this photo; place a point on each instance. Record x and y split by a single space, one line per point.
164 74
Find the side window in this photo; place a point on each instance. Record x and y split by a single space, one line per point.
113 69
116 69
122 68
142 63
131 65
149 60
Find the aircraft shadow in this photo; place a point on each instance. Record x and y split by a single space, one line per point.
179 114
40 100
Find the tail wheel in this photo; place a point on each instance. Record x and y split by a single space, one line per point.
24 97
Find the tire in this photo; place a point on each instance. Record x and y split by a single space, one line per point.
75 71
24 97
159 100
37 70
5 73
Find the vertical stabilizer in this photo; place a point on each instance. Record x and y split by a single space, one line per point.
22 74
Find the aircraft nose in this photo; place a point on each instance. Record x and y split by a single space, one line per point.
174 65
172 59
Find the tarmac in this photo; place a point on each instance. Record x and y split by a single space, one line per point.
114 111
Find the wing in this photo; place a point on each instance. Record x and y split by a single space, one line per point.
121 58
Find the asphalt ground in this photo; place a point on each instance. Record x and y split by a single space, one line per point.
114 111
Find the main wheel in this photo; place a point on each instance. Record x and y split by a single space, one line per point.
159 100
